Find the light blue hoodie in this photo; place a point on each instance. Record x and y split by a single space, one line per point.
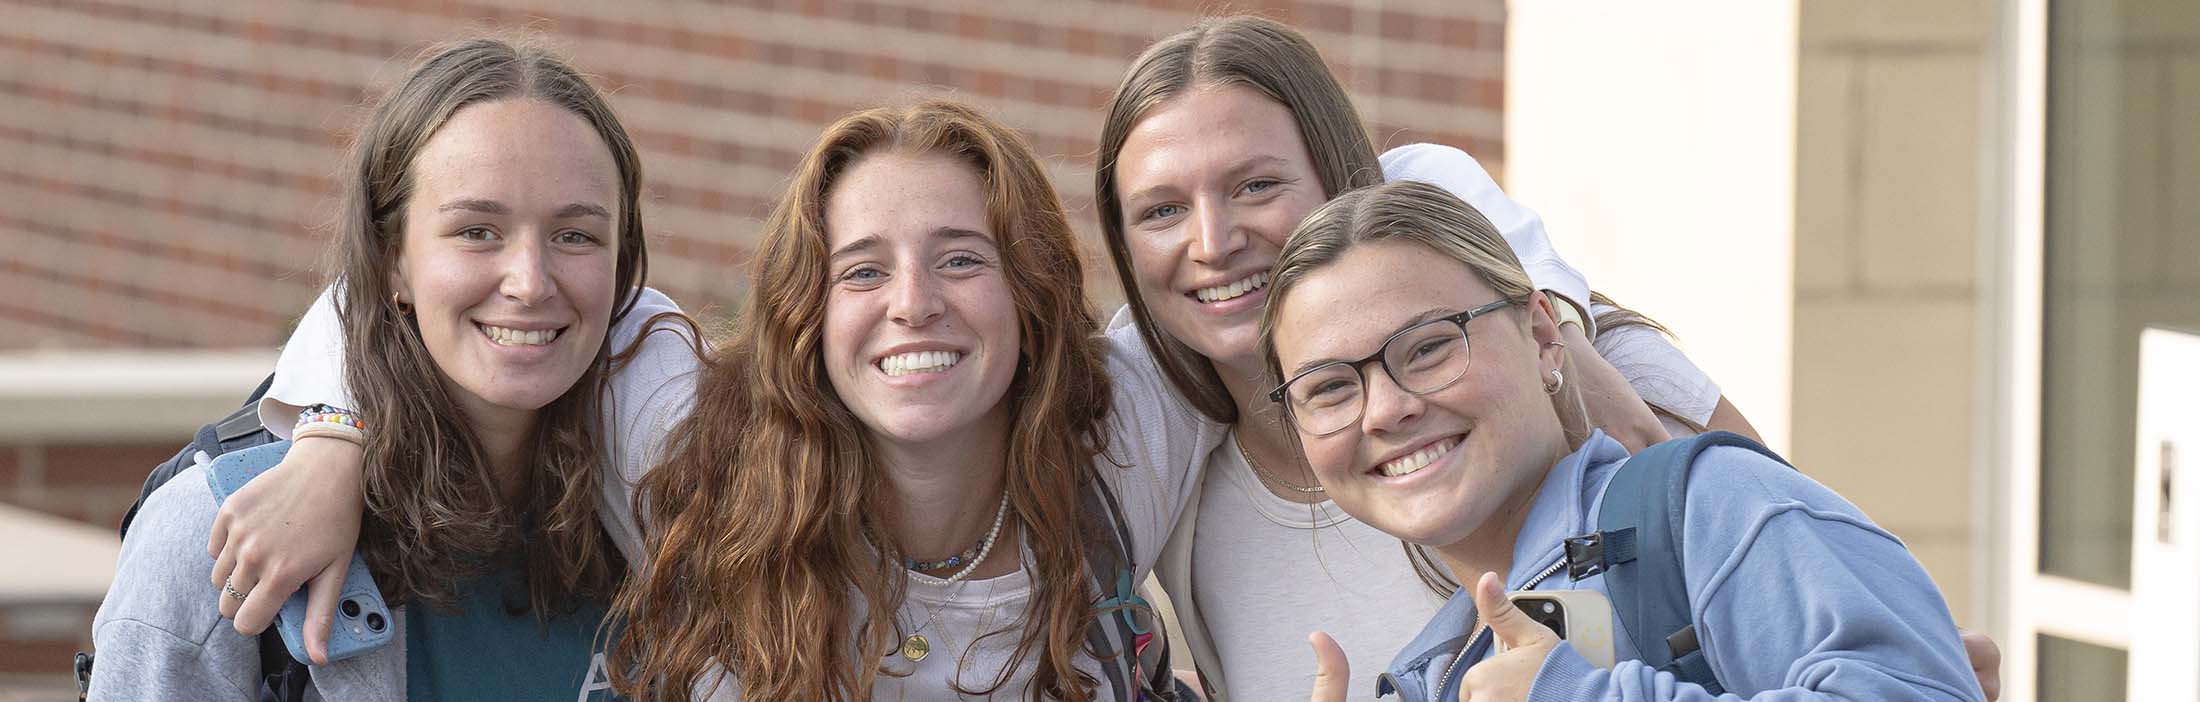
1795 593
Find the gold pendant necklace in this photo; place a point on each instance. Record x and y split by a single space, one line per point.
915 648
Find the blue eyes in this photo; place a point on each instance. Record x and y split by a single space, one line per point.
1254 187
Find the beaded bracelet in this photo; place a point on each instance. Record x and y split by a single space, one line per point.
331 422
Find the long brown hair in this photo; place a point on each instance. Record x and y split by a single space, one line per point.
771 503
1265 56
434 515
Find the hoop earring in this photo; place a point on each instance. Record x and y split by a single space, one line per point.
404 309
1558 382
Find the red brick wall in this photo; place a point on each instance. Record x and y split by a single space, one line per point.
167 163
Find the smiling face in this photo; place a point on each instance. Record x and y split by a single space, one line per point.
1213 181
921 339
509 253
1433 468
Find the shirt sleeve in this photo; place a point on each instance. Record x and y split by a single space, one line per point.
1157 442
650 395
1458 173
310 370
1797 597
1658 371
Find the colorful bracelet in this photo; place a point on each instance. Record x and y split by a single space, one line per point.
330 422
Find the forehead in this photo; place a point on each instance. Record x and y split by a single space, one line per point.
517 152
1205 129
1347 308
897 195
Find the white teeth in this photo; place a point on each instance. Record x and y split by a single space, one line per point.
1233 291
1417 460
914 362
516 337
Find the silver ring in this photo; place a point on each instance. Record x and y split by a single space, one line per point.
229 587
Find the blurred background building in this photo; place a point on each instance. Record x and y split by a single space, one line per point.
1917 241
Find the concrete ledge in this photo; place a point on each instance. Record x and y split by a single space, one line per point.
112 396
75 562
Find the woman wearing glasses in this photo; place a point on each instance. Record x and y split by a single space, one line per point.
1422 374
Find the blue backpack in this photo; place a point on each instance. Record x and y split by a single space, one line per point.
1637 547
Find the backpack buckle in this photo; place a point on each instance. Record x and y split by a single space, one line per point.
1590 554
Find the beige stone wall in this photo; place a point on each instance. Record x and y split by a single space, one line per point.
1890 147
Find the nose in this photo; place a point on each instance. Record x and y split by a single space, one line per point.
1215 236
527 278
915 299
1389 407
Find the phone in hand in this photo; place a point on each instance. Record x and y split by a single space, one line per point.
1582 617
362 619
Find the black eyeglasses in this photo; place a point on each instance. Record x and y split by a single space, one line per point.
1423 358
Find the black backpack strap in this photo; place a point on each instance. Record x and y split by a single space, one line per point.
1138 673
283 678
1638 547
241 429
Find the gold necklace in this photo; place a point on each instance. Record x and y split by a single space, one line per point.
1239 439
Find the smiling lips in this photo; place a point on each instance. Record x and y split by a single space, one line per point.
1412 462
1234 290
506 336
915 362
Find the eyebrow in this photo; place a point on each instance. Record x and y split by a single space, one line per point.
872 241
492 207
1409 323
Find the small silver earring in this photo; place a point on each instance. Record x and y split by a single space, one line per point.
1558 382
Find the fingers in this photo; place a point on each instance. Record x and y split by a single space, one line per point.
1985 661
322 595
217 538
1332 673
261 604
239 582
1506 621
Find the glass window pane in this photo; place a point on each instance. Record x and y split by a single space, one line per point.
2075 671
2123 253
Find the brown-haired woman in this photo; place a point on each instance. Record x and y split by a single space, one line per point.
490 236
917 409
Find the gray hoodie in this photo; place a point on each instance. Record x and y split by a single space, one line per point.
159 634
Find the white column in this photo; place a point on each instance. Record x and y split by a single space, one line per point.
1658 141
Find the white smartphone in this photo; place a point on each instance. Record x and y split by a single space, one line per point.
1583 617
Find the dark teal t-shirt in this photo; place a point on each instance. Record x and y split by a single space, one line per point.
483 652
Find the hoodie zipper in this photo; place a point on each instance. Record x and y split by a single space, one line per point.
1480 628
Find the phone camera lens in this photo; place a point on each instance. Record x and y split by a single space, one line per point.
374 622
351 608
1549 608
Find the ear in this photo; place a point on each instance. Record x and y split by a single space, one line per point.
1543 328
397 278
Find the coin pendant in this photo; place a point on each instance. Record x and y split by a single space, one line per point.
915 648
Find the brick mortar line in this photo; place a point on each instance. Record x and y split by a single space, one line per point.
104 332
969 78
139 293
171 205
166 252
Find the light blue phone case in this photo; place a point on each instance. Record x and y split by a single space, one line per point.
362 620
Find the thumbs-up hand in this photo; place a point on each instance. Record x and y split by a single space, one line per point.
1506 677
1332 673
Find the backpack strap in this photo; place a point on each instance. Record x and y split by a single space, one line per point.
241 429
1638 548
1137 655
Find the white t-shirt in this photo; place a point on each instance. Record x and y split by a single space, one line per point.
1270 570
1157 445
